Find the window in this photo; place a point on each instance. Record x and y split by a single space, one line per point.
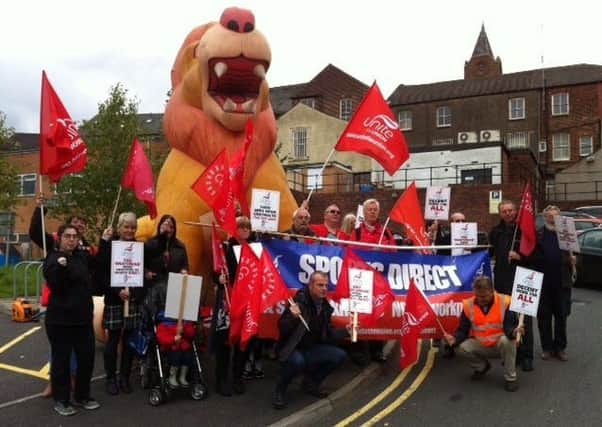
561 147
404 118
314 179
443 117
345 108
586 146
300 142
27 184
516 108
310 102
515 140
560 104
443 141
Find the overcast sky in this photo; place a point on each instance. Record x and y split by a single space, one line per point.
86 47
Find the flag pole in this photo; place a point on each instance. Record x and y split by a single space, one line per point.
292 302
115 207
382 234
45 249
320 174
440 325
354 330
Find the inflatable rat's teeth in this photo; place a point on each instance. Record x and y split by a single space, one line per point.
249 106
220 68
229 106
259 71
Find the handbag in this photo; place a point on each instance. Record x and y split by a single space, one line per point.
139 341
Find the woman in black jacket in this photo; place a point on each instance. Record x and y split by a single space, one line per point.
69 321
163 254
120 327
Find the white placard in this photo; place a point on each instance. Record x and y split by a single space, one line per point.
256 246
192 298
127 264
359 216
361 284
265 210
463 234
526 291
567 234
436 205
495 197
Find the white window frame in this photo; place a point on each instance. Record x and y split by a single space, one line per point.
27 177
560 108
587 141
345 108
516 108
404 118
561 141
314 179
300 142
517 140
444 117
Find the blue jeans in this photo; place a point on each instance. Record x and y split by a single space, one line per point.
317 362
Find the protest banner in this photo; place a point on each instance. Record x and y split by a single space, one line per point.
463 234
567 234
526 291
265 210
127 267
359 216
360 290
183 297
495 197
445 281
436 204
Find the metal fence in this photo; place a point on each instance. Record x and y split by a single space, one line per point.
24 274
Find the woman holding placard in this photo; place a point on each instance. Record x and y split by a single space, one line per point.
122 312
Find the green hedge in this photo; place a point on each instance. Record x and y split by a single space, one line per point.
6 282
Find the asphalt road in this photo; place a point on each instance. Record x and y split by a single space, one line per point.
555 394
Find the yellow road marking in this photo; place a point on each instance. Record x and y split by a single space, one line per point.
46 369
30 372
388 390
19 339
430 361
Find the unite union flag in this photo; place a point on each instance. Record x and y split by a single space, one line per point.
62 150
138 176
374 132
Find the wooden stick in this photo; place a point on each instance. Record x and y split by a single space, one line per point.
115 208
441 325
382 234
354 330
320 174
126 304
292 302
521 323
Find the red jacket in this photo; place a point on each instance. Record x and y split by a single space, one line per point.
166 333
322 231
362 234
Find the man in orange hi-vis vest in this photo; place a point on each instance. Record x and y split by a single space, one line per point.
488 330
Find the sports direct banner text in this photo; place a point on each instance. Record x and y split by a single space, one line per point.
445 280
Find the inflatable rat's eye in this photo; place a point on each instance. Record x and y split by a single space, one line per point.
233 25
249 27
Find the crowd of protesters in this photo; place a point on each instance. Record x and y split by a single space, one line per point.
75 270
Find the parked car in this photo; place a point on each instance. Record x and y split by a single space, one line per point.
595 211
573 214
582 224
589 260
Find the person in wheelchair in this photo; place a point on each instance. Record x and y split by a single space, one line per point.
175 342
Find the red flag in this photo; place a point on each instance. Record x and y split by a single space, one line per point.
373 131
213 186
273 289
382 295
62 150
217 250
407 212
526 222
417 315
138 176
246 298
237 171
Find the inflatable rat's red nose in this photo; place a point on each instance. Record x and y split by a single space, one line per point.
238 20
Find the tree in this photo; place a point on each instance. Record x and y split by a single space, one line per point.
109 136
9 187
